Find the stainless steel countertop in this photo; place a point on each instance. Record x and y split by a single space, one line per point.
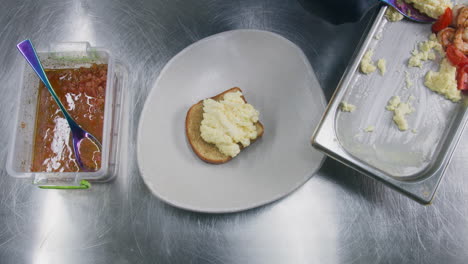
339 216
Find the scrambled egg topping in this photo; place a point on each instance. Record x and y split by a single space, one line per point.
432 8
229 122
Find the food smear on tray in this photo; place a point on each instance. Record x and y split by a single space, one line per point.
382 66
369 129
218 128
447 45
408 82
367 66
82 92
400 111
347 107
425 52
393 15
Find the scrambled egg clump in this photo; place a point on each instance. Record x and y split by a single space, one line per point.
432 8
367 66
393 15
425 52
369 129
382 65
444 82
400 110
408 81
345 107
229 122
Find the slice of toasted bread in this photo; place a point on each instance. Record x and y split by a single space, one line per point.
207 151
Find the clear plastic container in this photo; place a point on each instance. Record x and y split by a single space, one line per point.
61 56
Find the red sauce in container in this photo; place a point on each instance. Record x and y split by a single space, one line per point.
82 92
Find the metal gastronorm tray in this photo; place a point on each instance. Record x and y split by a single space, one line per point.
413 161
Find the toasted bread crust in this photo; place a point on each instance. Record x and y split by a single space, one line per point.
206 151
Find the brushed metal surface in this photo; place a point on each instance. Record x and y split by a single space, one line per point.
339 216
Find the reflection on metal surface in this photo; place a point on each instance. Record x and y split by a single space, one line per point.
339 216
52 213
81 27
338 11
293 244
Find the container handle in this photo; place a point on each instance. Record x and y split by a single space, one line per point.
84 184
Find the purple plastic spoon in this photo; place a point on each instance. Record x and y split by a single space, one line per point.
409 11
78 134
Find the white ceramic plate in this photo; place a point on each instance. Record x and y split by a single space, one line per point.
276 79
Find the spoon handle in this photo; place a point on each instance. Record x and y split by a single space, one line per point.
27 49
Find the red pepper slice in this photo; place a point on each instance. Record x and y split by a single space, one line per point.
462 78
443 21
455 56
